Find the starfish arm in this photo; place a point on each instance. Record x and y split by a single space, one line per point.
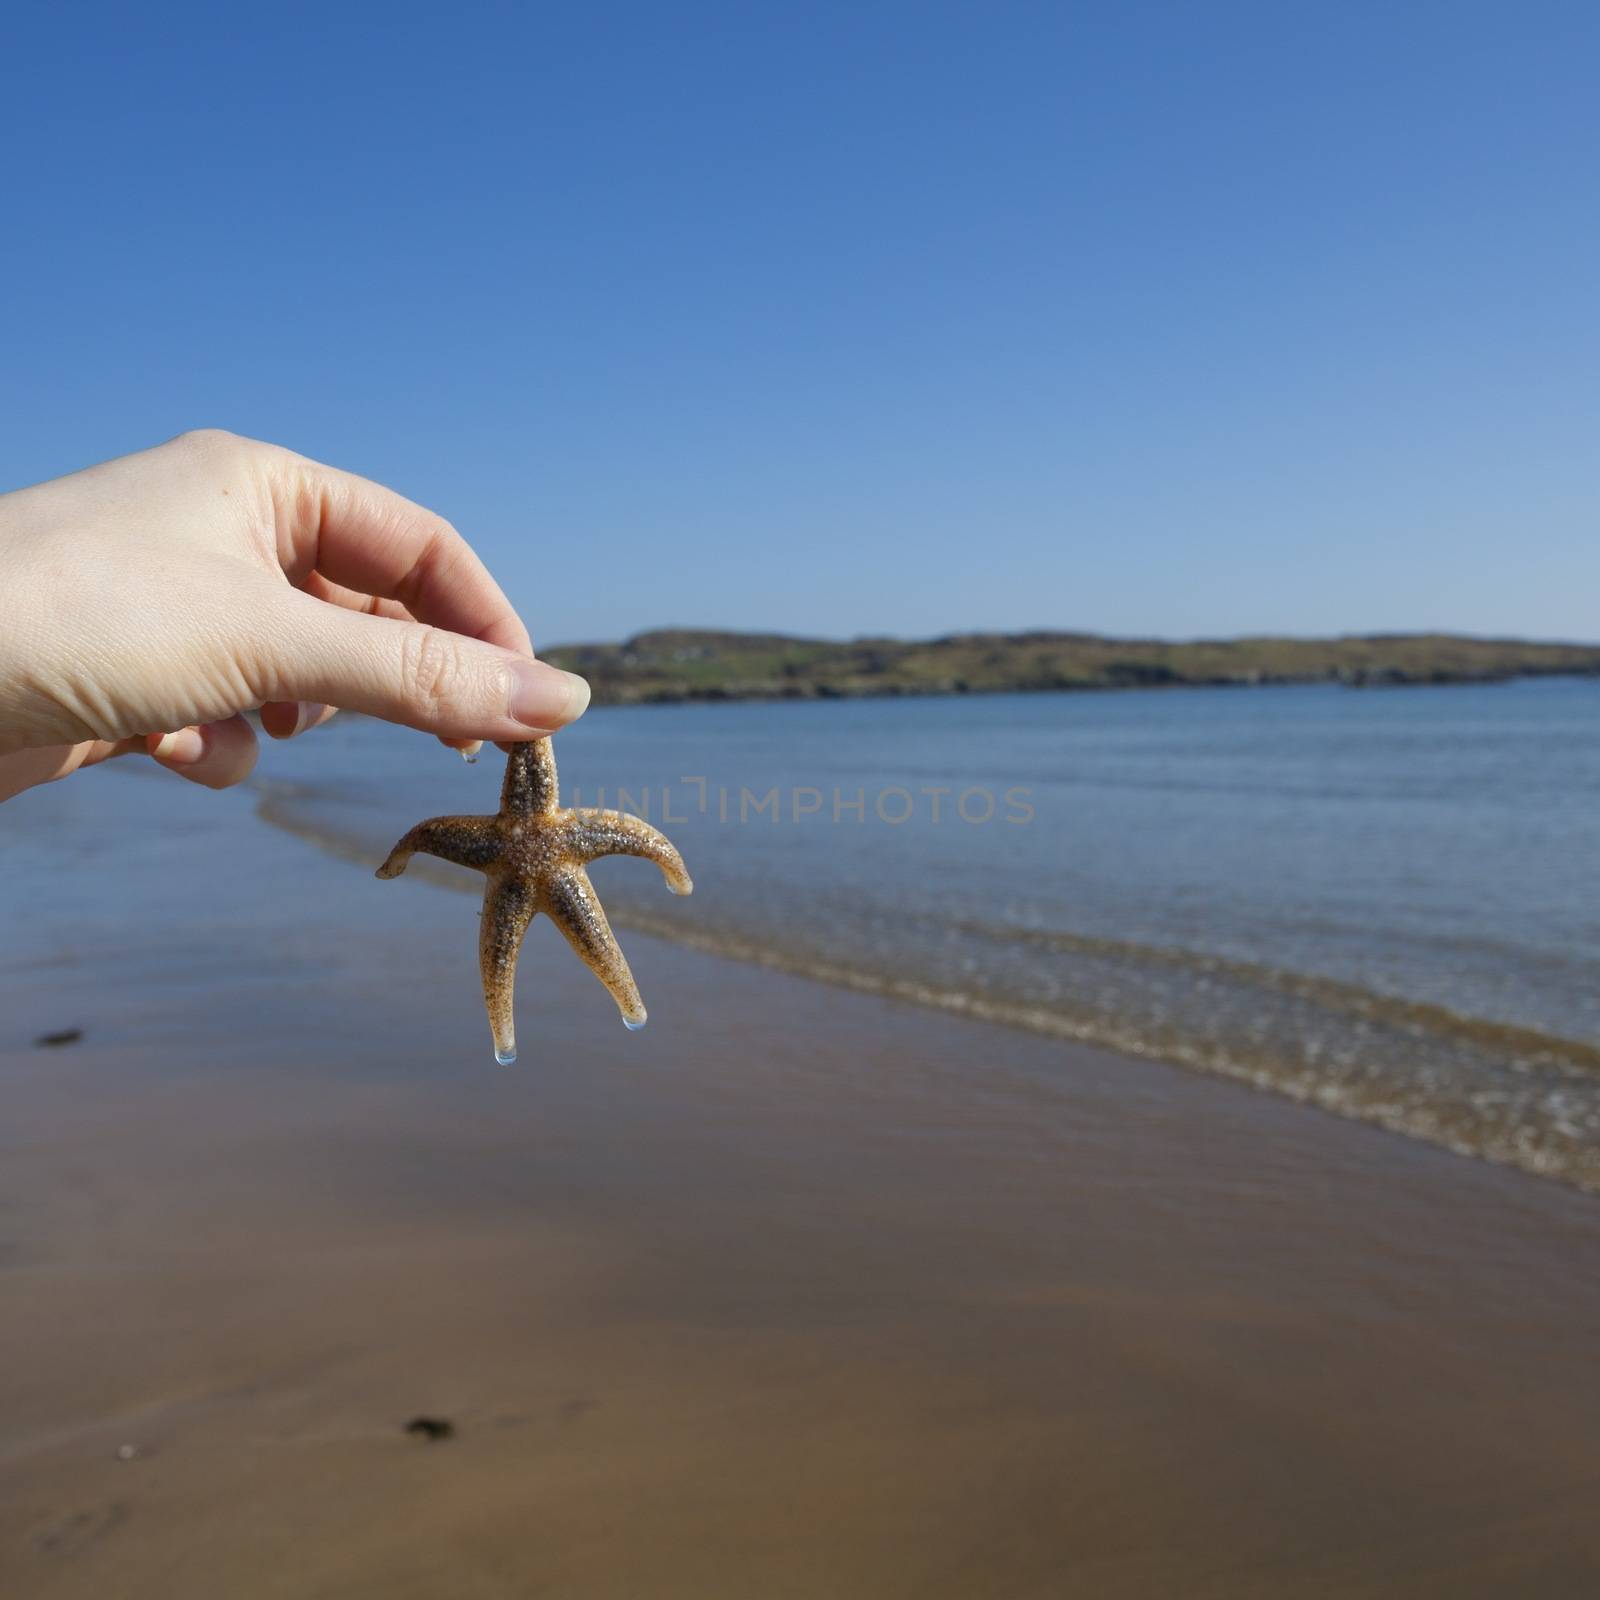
508 908
593 834
530 788
574 907
467 841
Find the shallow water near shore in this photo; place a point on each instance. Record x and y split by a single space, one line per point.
1380 901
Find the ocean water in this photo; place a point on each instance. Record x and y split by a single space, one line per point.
1381 901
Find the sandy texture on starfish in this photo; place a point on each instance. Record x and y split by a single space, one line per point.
533 853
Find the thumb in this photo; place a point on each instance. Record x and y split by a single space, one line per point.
424 677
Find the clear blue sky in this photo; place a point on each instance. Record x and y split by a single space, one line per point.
896 317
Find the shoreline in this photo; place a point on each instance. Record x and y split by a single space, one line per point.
1545 1148
800 1291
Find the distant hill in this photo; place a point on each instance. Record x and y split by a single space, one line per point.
671 664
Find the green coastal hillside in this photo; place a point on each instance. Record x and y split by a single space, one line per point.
671 664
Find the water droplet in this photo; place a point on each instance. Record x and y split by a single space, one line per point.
505 1057
631 1025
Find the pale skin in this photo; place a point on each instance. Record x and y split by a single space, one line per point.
146 603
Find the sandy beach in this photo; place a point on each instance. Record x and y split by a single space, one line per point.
801 1292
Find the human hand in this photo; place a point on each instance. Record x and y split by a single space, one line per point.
146 602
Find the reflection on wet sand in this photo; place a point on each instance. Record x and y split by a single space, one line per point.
837 1299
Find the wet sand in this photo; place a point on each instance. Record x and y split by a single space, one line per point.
800 1292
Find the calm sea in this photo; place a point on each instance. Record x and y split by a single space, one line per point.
1383 901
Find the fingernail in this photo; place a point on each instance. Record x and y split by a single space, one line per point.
304 716
184 747
545 697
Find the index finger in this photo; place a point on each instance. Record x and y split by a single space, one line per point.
368 538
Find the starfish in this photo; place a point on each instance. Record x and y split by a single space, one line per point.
533 853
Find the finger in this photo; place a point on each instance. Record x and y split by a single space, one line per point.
283 719
376 606
408 672
98 750
364 537
335 594
26 769
216 755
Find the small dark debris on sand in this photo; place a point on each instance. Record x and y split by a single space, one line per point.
48 1041
433 1429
